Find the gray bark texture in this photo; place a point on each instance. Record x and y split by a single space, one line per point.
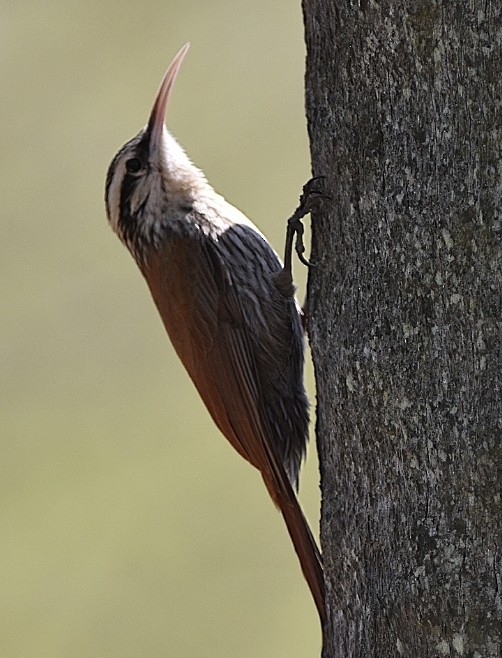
405 322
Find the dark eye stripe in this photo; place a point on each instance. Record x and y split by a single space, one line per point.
128 186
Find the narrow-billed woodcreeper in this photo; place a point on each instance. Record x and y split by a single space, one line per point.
228 305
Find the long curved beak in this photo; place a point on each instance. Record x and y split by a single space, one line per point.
155 125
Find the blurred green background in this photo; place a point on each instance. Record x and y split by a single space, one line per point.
129 527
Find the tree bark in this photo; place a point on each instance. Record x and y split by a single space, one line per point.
404 322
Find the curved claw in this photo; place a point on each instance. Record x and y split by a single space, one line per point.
308 197
305 261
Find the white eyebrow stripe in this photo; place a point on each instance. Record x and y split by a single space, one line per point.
114 195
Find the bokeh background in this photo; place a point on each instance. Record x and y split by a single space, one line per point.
128 526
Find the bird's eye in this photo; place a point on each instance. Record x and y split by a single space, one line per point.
133 165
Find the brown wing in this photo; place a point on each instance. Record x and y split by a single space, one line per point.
198 306
202 308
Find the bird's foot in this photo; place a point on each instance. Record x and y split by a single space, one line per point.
310 195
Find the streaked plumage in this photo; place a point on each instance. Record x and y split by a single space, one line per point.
227 305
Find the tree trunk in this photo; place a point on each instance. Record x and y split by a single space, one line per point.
404 322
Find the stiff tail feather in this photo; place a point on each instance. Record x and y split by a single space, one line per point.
307 551
303 541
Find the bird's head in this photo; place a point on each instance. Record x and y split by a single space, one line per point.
151 183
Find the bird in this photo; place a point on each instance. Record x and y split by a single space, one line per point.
228 305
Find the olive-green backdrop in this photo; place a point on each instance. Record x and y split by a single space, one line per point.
128 526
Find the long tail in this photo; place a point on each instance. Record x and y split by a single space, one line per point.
303 541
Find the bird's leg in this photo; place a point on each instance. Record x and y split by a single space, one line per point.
310 194
284 279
